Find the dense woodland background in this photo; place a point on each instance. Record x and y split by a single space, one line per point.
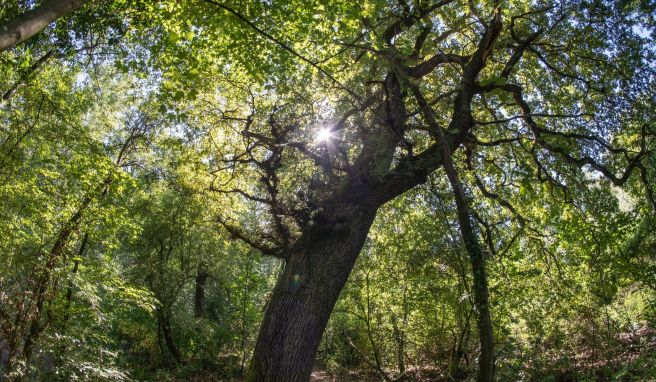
165 164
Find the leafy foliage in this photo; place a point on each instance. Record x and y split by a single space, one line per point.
164 164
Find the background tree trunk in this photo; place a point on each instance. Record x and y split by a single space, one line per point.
199 294
165 327
244 307
400 344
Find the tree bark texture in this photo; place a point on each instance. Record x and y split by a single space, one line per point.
303 299
34 21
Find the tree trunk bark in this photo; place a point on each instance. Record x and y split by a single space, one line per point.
244 306
199 294
304 297
34 21
165 326
400 345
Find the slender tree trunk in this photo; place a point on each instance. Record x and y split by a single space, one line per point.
165 326
400 344
199 294
469 236
485 331
456 371
244 306
36 327
25 77
370 335
34 21
43 287
303 299
30 319
160 341
399 334
69 289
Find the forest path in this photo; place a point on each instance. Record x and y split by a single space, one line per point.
321 376
340 376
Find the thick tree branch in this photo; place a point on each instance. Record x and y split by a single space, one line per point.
435 61
517 54
34 21
413 170
409 20
257 244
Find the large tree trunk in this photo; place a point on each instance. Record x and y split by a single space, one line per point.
319 263
34 21
303 299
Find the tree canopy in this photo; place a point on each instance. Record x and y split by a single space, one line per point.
270 190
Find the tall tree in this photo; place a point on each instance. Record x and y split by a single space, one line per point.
375 148
295 122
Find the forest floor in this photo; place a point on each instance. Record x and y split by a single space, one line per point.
342 376
321 376
631 356
317 376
